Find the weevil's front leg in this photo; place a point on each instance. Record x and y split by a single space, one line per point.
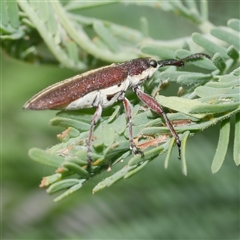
156 107
128 110
94 120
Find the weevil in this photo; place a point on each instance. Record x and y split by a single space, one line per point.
102 87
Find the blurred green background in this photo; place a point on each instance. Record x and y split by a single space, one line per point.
154 204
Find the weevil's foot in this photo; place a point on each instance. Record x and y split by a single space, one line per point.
179 149
89 163
137 151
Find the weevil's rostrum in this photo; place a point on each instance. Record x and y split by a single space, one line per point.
104 86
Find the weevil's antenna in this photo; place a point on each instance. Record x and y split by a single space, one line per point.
196 56
171 62
180 62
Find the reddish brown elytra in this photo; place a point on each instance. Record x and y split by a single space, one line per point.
104 86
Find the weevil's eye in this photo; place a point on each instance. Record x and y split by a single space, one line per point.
153 63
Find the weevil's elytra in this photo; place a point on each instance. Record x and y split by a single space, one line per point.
104 86
60 94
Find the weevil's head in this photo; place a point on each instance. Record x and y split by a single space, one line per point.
138 66
141 69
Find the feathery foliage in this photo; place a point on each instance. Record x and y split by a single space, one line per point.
51 32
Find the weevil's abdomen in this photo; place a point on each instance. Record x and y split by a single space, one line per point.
59 95
104 97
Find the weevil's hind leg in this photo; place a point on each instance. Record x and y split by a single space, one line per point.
94 120
128 110
156 107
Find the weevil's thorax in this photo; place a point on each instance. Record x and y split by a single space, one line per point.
140 70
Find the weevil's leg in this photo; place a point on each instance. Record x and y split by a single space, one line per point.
128 110
94 120
156 107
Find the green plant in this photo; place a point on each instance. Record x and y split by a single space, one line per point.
81 43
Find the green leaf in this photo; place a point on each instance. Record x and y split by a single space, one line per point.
144 26
105 34
236 71
72 51
227 36
82 39
213 109
135 170
78 160
76 169
204 9
107 133
156 50
57 50
193 78
182 10
186 78
13 13
233 53
9 22
183 149
71 190
148 155
205 91
112 150
182 105
209 45
4 12
46 158
62 184
171 144
219 62
118 126
236 148
44 9
231 83
234 24
67 122
230 78
75 5
47 181
222 146
112 179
